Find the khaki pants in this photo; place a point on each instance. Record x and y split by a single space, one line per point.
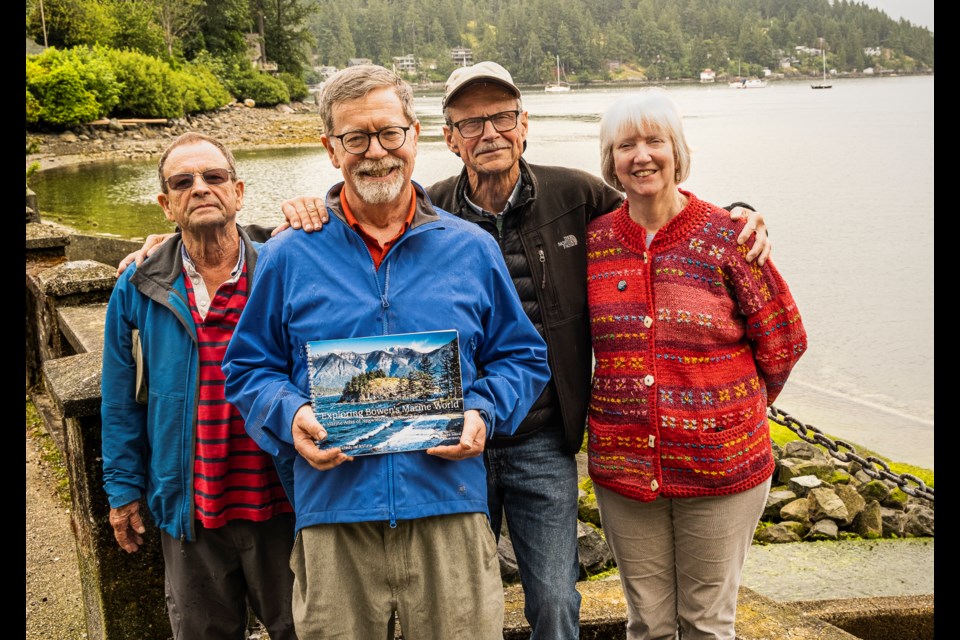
440 574
680 560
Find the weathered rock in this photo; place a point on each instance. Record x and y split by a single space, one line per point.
250 103
918 521
824 503
823 530
804 450
802 485
777 534
896 500
595 555
874 490
776 500
797 510
840 477
509 572
587 508
892 522
868 523
852 500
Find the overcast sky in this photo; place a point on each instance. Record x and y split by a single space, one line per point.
919 12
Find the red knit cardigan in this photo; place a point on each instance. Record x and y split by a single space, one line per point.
691 343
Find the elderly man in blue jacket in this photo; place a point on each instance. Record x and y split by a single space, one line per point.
403 534
170 439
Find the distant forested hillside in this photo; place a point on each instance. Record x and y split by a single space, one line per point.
594 39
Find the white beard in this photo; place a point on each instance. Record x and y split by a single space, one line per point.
378 192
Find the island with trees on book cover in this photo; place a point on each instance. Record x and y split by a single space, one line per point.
386 394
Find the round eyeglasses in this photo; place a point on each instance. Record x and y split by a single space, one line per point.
502 122
357 142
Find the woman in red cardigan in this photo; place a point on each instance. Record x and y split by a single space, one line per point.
692 343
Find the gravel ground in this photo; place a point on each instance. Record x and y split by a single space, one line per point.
54 603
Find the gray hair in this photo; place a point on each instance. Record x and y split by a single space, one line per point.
355 82
194 137
648 108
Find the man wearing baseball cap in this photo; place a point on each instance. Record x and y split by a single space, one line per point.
539 215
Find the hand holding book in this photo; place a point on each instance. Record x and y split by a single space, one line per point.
307 432
472 440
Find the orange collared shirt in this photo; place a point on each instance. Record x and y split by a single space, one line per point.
378 251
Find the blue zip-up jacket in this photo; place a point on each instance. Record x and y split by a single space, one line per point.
443 273
148 449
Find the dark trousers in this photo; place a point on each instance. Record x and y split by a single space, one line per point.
210 581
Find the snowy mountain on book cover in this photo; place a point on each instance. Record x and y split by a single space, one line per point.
386 394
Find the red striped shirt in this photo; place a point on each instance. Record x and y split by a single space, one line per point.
233 478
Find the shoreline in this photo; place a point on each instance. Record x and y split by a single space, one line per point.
244 128
237 126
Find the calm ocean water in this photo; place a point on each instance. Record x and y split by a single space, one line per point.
843 177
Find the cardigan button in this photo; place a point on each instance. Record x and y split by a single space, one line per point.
651 441
648 380
622 285
647 322
654 485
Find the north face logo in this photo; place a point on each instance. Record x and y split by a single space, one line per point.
567 242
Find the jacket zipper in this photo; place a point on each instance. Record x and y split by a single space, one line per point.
543 268
391 497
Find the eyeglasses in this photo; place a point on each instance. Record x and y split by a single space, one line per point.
212 177
502 122
357 142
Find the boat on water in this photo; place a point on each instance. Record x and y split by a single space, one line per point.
748 83
558 86
823 84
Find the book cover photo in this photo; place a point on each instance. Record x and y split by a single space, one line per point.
386 394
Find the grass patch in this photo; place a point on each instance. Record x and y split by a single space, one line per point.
49 453
781 435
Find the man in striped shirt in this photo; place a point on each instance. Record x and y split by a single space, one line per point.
169 435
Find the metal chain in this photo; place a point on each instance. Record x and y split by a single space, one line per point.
909 484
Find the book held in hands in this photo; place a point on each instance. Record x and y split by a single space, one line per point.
386 394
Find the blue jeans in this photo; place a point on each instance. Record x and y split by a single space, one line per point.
534 484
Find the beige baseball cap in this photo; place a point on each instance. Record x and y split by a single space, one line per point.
486 71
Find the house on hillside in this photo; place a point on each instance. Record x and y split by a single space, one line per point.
405 64
461 56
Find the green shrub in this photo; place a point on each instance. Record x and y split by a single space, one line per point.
201 90
63 98
70 86
33 108
296 88
263 89
149 86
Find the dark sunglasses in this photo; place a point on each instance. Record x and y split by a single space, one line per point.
212 177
